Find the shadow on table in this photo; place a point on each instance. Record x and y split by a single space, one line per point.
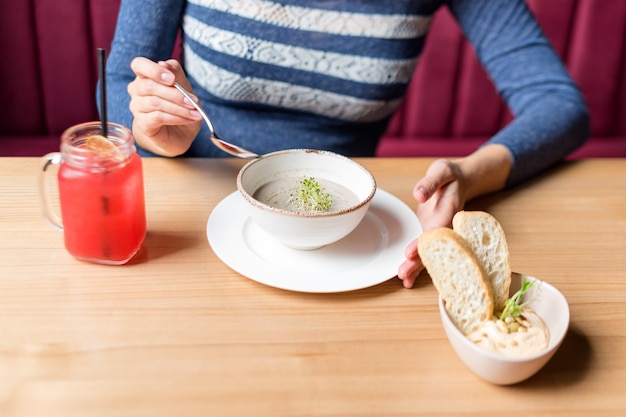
160 243
568 366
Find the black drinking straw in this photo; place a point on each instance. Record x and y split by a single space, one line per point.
103 91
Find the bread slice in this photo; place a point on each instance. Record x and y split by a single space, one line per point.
458 276
487 240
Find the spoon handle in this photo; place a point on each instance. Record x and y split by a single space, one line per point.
198 107
223 145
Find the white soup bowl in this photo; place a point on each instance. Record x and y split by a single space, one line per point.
306 230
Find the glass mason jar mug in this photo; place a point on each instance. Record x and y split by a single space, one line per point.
100 182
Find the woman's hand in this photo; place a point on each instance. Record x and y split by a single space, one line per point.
445 189
164 121
440 194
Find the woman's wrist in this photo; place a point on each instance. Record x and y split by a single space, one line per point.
486 170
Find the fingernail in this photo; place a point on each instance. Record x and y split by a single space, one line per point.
188 102
195 114
167 77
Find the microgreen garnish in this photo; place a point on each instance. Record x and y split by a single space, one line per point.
310 196
514 305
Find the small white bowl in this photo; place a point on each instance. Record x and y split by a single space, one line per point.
299 230
548 303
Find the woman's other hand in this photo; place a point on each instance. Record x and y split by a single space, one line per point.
439 196
445 189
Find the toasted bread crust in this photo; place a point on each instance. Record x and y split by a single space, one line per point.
458 276
487 240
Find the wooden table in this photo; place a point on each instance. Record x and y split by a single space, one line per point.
178 333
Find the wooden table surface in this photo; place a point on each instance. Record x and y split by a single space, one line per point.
178 333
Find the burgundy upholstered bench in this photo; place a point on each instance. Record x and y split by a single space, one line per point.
49 72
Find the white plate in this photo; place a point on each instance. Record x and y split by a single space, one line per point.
368 256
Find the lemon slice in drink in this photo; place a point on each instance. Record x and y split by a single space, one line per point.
104 148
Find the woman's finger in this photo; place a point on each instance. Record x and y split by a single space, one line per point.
146 68
408 272
171 110
438 174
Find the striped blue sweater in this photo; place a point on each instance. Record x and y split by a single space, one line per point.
329 74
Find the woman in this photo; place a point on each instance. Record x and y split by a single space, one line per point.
329 75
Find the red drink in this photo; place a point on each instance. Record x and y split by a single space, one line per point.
102 195
103 212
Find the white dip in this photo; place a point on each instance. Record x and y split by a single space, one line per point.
529 339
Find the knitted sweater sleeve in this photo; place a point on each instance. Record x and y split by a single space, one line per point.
146 28
551 117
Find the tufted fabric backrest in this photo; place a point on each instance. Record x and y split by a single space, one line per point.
49 49
49 73
451 96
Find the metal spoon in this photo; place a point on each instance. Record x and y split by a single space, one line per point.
223 145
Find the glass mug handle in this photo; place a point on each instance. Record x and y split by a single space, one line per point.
53 158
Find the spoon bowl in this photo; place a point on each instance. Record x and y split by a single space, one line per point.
227 147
